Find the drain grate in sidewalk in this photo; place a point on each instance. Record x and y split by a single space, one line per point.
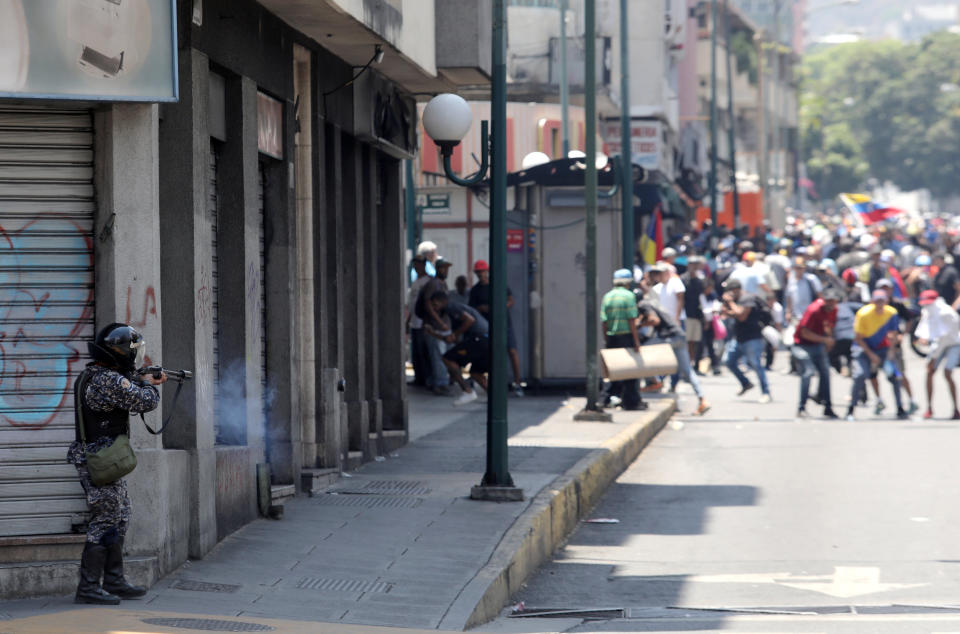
369 501
386 487
344 585
204 586
209 625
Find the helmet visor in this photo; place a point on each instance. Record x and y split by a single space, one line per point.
141 348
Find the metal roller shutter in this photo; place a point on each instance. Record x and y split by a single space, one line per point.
46 310
213 209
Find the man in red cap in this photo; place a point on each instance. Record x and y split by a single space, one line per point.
480 299
940 325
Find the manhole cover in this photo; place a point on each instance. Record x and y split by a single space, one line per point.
209 625
386 487
204 586
370 501
343 585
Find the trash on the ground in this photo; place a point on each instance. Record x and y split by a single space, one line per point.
676 425
395 454
380 459
603 520
345 474
517 607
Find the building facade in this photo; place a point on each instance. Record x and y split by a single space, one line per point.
252 229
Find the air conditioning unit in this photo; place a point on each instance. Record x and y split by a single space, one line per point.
384 115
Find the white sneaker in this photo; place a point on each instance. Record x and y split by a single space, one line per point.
466 397
764 399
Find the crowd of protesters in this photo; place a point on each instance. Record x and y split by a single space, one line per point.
824 294
449 328
830 294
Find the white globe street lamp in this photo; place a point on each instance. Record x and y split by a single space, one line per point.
447 119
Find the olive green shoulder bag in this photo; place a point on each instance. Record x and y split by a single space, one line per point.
110 463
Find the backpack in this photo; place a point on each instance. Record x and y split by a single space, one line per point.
764 313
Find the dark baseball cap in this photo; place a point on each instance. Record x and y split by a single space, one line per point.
732 285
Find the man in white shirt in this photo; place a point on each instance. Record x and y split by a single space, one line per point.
752 277
940 325
669 289
802 289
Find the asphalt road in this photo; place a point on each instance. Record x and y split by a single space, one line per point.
749 520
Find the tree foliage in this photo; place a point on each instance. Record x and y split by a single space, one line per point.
885 110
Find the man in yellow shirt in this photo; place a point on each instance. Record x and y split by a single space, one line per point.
875 329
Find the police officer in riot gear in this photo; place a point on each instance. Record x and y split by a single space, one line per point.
108 391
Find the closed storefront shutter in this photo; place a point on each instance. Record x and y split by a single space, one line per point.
213 209
46 310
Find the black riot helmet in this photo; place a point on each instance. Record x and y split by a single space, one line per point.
119 346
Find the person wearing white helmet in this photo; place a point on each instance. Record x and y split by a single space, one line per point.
428 251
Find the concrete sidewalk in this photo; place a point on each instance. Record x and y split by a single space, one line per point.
398 542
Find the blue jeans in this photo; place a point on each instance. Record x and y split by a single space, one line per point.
751 350
862 371
439 375
684 368
812 359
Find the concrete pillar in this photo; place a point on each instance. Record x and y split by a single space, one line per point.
304 345
128 254
128 285
187 298
390 266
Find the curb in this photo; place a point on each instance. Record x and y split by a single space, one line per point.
551 517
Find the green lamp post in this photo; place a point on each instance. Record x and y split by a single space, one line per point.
447 120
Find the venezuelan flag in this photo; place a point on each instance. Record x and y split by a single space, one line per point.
867 210
651 243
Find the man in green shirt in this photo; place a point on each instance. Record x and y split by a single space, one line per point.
619 314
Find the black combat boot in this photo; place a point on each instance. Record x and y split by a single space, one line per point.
91 567
113 580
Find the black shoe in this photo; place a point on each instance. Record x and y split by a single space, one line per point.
829 414
642 405
91 567
113 579
902 414
743 389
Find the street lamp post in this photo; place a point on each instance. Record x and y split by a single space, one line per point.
713 116
592 411
447 119
731 131
626 151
